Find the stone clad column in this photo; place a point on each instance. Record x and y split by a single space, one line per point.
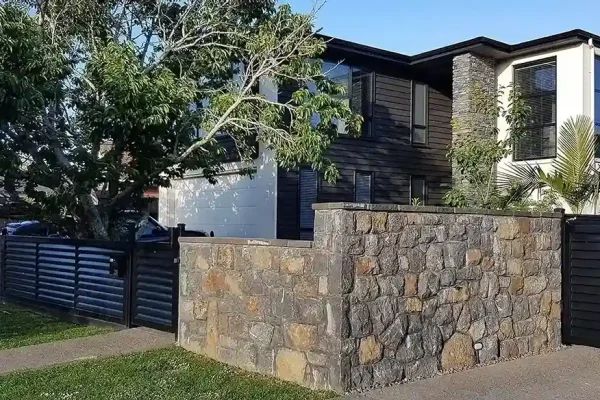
474 88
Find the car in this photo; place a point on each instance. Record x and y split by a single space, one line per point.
148 229
29 228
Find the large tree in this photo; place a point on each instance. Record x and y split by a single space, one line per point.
117 96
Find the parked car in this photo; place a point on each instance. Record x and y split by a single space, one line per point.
148 229
29 228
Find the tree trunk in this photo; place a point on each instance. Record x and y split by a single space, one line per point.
96 224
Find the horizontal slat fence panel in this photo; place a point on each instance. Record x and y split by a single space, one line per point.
70 274
155 273
98 291
581 280
133 284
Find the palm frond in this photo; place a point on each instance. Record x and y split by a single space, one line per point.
576 148
516 183
522 174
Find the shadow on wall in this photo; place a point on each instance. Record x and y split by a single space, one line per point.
236 206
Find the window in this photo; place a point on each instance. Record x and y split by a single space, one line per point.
537 83
359 92
363 187
597 102
420 99
418 190
309 188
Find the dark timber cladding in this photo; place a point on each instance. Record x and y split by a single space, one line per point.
581 281
387 152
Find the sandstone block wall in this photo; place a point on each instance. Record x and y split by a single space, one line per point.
262 305
383 293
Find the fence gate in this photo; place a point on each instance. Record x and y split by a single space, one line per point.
131 284
581 281
155 280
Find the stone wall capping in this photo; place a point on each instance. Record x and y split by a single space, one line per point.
303 244
433 209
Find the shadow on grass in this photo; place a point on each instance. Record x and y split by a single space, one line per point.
21 327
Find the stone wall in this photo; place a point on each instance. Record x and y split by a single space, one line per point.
262 305
431 292
384 293
474 87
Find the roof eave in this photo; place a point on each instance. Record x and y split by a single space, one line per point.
482 45
364 50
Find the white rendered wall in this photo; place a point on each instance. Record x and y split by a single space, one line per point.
574 89
236 206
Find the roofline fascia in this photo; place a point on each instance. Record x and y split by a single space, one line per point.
553 41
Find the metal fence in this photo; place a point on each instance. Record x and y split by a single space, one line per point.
133 284
581 280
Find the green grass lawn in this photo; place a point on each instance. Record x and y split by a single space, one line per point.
21 327
162 374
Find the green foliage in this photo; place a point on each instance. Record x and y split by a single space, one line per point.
106 99
457 197
477 151
547 202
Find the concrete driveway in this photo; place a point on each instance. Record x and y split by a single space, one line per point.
569 374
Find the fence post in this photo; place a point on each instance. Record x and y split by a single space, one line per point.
2 264
176 233
128 281
565 268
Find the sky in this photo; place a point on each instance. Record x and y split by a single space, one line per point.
414 26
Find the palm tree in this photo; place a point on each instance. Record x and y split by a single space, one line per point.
574 176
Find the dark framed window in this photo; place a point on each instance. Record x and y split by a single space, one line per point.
537 84
308 190
363 187
420 100
418 190
597 104
359 85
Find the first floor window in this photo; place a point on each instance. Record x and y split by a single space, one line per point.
358 92
418 190
597 103
536 83
363 187
308 189
419 113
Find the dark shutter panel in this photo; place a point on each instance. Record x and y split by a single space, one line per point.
363 187
361 101
308 196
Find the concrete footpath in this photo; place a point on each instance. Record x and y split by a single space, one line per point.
569 374
92 347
